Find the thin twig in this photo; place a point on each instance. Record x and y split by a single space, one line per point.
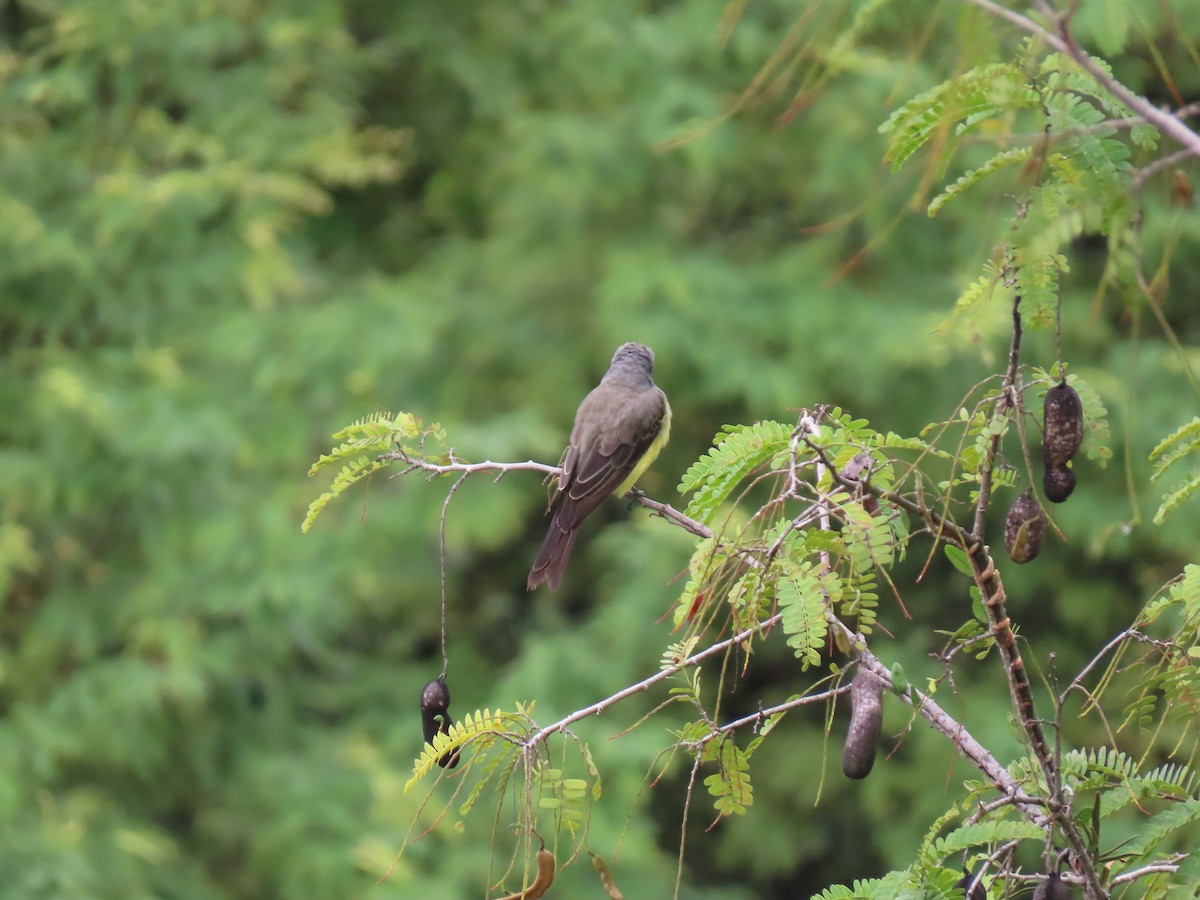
1134 874
1148 171
442 564
764 714
687 808
1063 42
601 705
416 463
1095 660
670 513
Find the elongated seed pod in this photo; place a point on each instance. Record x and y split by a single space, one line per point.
1024 528
541 884
1053 888
606 879
435 717
1058 483
1062 425
866 724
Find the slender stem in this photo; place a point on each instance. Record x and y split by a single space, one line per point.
764 714
646 683
1062 41
1007 400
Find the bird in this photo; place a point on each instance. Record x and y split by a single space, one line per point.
619 429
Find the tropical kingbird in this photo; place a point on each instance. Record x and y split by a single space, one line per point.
619 429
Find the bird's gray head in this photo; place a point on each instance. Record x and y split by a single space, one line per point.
634 355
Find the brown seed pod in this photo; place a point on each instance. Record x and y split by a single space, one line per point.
866 724
1062 425
541 884
1058 483
1053 888
606 879
435 717
1024 528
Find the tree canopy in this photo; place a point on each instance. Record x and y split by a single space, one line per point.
231 229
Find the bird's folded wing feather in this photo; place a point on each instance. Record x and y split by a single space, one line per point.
616 440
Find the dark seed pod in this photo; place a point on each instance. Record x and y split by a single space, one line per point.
866 724
435 717
1062 425
1058 483
1024 528
1053 888
975 892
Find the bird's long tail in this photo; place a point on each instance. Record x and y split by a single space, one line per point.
552 559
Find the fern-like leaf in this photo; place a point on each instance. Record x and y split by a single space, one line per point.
985 833
1176 497
983 92
971 178
982 288
802 595
1179 444
363 442
730 785
1182 442
1161 825
737 452
472 725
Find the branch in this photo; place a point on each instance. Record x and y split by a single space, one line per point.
670 513
416 463
1147 172
601 705
1168 867
454 467
1007 400
955 731
764 714
1095 660
987 579
1062 41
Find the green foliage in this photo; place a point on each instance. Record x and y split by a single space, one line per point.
1179 444
804 595
228 228
363 444
730 785
972 177
1072 179
480 728
737 452
987 91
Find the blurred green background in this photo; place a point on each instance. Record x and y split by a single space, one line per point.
230 227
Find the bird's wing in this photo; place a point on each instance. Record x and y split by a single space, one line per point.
612 431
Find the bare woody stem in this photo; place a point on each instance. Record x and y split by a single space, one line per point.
1061 40
662 674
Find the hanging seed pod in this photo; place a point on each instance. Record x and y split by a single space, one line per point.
435 717
866 724
972 889
1024 528
1062 425
1053 888
1058 483
543 880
